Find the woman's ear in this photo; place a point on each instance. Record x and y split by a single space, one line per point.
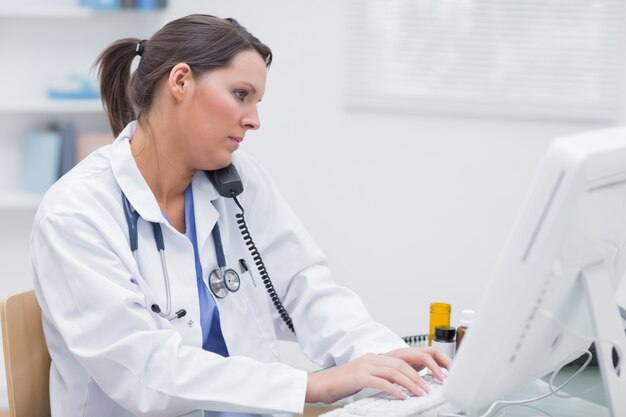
179 81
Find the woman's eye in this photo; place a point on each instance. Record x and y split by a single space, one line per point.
241 94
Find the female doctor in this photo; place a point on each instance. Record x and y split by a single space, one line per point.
147 308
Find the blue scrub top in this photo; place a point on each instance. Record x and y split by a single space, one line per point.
212 337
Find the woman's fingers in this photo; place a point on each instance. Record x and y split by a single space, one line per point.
387 387
431 358
434 367
393 377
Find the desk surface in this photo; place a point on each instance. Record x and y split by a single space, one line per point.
312 410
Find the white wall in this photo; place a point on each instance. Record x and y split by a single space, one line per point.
409 208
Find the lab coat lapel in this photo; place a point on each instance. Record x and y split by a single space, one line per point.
130 180
205 212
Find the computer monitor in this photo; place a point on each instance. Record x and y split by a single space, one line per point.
552 292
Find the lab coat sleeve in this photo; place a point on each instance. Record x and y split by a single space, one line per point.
87 296
332 324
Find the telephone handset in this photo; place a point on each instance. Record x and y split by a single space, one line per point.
228 184
226 181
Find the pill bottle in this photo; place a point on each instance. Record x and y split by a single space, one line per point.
439 317
467 317
444 339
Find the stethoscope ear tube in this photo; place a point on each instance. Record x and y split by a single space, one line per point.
179 314
158 237
131 220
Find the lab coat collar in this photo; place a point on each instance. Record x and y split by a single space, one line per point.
206 214
136 189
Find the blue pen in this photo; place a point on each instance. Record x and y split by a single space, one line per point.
244 268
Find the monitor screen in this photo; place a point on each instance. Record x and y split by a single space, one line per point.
566 247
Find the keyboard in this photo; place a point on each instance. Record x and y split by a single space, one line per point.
385 405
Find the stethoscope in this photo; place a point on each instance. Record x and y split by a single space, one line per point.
222 280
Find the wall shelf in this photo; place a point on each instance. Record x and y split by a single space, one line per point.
70 12
19 201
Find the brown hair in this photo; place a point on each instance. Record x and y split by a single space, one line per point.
203 42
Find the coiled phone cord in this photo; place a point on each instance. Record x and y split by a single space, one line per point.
245 233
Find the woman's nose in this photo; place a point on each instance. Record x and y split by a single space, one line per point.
251 119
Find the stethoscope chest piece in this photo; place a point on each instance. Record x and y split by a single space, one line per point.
223 280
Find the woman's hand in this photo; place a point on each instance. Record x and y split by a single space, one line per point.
382 371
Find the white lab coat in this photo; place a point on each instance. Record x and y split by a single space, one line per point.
112 356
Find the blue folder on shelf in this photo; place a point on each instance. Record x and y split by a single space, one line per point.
42 158
67 132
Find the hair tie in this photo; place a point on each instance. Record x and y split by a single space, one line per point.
140 46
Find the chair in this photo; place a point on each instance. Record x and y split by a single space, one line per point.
26 356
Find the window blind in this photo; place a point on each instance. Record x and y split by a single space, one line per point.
547 59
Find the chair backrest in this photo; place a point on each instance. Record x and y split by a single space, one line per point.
26 356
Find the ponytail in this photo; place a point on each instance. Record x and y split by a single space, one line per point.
114 65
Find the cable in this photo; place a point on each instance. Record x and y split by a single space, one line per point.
245 233
553 390
595 340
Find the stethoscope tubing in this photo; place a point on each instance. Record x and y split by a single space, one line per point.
220 287
219 249
132 218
